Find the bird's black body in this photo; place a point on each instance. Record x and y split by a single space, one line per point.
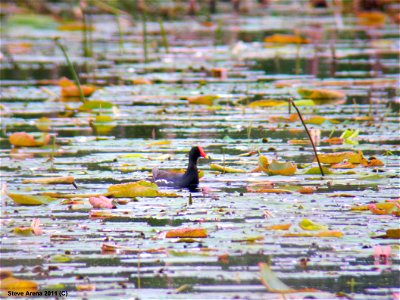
190 179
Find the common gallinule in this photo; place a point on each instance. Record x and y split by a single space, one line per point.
190 179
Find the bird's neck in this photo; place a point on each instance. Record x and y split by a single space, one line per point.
192 166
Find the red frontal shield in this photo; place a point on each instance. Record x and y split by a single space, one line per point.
202 153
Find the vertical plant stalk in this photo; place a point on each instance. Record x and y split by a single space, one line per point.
71 68
190 201
52 154
277 62
370 103
309 136
85 34
90 34
139 284
298 61
144 33
249 129
163 35
120 34
333 54
218 35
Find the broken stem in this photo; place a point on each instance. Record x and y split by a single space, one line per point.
309 136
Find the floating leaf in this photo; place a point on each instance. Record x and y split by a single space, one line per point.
141 81
221 73
101 214
371 18
95 105
23 139
316 120
132 155
388 206
85 287
224 169
18 285
202 100
186 233
285 39
28 231
298 234
317 171
393 233
43 124
304 102
281 168
349 136
307 224
160 143
250 239
320 94
102 124
299 142
30 199
271 103
73 91
69 89
60 258
51 180
275 285
372 162
307 189
267 103
279 227
334 141
101 202
343 165
329 233
263 163
271 282
278 119
137 189
74 26
390 234
267 190
31 20
24 231
335 158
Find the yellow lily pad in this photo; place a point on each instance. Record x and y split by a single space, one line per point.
224 169
23 139
31 199
285 39
137 189
320 94
95 104
307 224
281 168
335 158
18 285
202 100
